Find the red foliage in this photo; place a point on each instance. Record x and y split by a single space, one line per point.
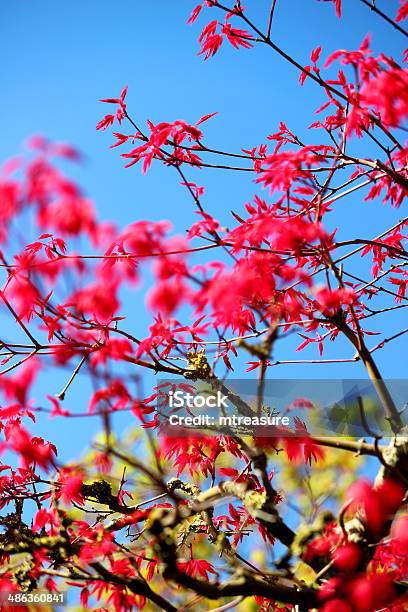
272 267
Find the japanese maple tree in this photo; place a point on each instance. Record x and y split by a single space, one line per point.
210 520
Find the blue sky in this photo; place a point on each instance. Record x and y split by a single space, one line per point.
63 57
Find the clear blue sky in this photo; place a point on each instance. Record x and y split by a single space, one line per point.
59 58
